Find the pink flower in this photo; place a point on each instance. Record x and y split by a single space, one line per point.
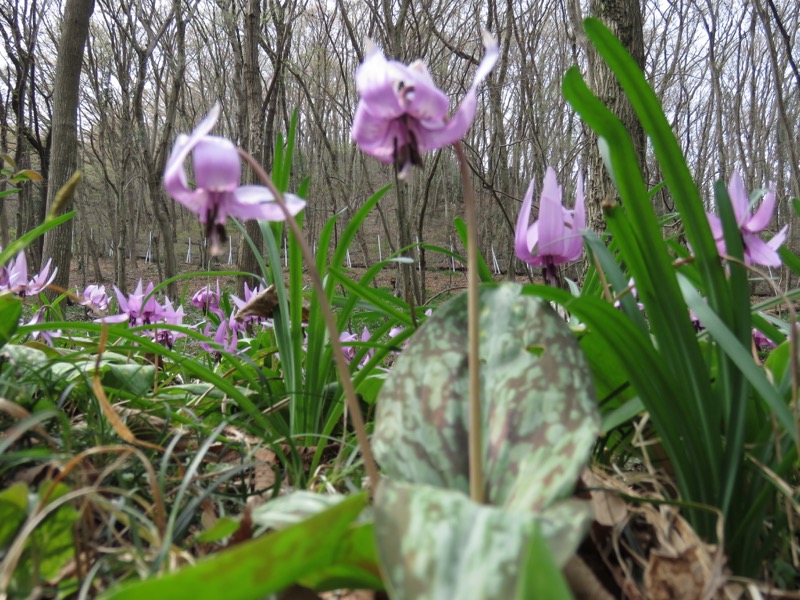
135 309
16 280
401 114
554 238
756 250
207 299
217 193
95 298
350 351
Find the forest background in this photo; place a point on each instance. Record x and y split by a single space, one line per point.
726 73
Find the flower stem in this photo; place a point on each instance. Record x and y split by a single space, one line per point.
338 354
476 488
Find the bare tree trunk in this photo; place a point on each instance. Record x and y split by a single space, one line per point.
253 135
63 149
624 19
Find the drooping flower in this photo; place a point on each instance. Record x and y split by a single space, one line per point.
756 250
95 298
46 335
350 351
135 309
401 114
170 316
761 341
217 193
16 277
206 298
555 237
226 337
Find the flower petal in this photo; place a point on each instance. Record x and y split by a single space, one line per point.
739 199
257 202
376 135
216 164
431 136
521 247
551 217
760 220
175 174
759 252
376 82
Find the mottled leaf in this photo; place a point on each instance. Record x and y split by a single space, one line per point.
539 413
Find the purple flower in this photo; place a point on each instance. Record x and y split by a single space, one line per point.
217 193
401 114
350 351
206 298
95 298
555 236
170 316
226 337
135 309
761 341
16 277
45 335
756 250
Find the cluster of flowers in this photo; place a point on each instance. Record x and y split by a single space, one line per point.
555 237
227 329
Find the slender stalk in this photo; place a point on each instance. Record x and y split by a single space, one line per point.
338 354
476 490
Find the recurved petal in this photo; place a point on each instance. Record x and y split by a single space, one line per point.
377 82
216 164
432 134
551 216
739 199
257 202
375 135
759 252
185 144
760 220
521 247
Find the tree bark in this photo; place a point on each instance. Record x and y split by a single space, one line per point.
624 19
64 140
253 135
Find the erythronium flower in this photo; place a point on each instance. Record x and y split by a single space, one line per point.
217 194
554 238
16 278
207 299
350 351
761 341
170 316
756 250
135 309
401 114
95 298
46 335
225 337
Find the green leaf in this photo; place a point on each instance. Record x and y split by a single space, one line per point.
539 415
10 311
541 577
484 272
356 562
13 510
224 527
259 567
